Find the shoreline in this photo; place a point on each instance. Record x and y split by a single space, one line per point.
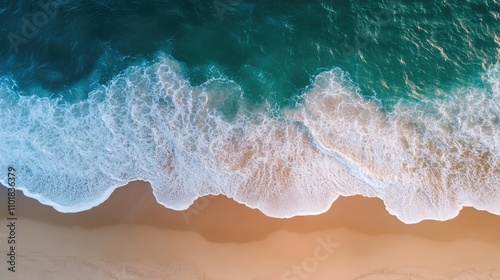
145 209
113 190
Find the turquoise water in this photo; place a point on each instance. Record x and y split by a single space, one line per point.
265 101
391 49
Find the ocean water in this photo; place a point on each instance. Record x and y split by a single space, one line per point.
282 105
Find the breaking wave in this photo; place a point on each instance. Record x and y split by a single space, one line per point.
424 159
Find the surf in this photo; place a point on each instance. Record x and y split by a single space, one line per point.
425 160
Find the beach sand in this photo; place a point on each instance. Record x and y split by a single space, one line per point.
131 236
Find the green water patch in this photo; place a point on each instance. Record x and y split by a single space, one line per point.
392 50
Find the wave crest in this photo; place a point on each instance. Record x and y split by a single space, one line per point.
425 160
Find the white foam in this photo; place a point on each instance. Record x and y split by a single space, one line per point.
425 160
150 124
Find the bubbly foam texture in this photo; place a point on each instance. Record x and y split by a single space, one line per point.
425 160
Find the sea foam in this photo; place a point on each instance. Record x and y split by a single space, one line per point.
425 160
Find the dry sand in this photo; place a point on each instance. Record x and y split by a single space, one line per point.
130 236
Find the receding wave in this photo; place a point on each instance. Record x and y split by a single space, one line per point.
425 159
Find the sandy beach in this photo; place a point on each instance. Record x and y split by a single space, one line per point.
130 236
